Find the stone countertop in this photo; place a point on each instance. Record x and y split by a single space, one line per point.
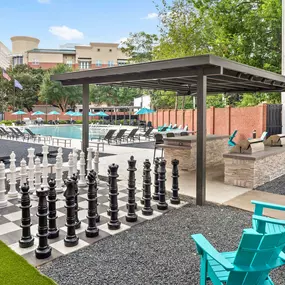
192 138
268 151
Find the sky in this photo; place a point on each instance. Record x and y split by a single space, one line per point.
56 22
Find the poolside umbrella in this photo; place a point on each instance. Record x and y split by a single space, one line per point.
53 113
144 111
77 114
91 114
19 113
69 113
101 114
38 113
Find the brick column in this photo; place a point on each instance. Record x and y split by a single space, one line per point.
228 119
263 118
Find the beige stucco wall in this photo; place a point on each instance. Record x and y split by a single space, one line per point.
5 58
45 57
67 58
22 44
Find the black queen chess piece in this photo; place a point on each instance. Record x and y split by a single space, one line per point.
27 239
53 231
155 182
77 221
162 205
175 200
147 209
71 239
43 250
92 230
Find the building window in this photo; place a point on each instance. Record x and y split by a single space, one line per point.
110 50
35 61
84 64
98 49
120 62
110 63
69 63
17 60
98 63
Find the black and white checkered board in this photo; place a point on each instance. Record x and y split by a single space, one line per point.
10 220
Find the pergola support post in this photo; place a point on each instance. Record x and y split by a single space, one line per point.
201 139
85 118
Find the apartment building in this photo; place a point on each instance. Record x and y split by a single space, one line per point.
95 55
5 56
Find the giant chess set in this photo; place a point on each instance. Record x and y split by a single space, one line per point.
50 217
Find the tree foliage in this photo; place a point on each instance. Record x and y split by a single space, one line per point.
54 93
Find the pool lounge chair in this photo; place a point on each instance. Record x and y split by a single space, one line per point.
6 133
119 136
24 135
132 135
15 134
232 136
108 136
163 129
148 134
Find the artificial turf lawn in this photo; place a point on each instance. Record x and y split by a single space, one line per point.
15 270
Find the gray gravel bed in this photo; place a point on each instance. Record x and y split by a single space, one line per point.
155 252
276 186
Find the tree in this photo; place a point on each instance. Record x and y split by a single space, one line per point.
139 46
57 95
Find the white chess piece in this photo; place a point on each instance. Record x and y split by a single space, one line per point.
38 173
31 169
82 174
23 175
12 193
58 173
96 164
70 165
3 199
45 167
89 159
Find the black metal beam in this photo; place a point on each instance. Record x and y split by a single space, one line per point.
85 118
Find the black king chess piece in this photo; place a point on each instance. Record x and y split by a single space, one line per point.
162 205
92 230
71 239
114 223
142 198
131 205
53 231
147 209
27 239
155 182
175 175
77 221
43 250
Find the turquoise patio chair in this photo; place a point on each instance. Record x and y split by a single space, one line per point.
262 137
161 127
232 136
255 257
264 224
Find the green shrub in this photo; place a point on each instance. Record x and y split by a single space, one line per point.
62 122
8 122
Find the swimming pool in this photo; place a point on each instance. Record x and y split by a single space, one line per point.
67 131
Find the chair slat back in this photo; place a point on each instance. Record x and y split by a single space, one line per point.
257 255
120 133
132 133
148 131
109 134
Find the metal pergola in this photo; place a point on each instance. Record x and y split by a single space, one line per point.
198 74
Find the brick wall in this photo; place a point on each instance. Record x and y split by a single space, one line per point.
220 121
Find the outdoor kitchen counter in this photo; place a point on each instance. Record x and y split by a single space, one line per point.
183 148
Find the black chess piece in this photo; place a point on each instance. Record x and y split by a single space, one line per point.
77 221
71 239
131 205
162 205
147 209
155 182
27 239
142 198
43 250
114 223
53 231
92 230
175 175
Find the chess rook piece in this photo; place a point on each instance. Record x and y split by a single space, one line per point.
27 239
147 209
77 221
43 250
92 230
162 205
71 239
3 199
131 205
142 199
175 175
114 223
53 231
155 183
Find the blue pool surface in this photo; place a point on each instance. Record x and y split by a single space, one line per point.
72 131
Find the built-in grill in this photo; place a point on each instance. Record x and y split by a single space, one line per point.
275 140
248 146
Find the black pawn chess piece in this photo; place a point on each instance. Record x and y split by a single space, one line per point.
77 221
155 183
131 205
53 231
147 209
92 230
142 198
71 239
162 205
43 250
175 175
27 239
114 223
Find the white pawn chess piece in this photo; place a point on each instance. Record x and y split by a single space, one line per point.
58 174
96 164
59 154
75 157
23 175
31 169
45 167
38 174
82 174
12 192
89 159
70 165
3 199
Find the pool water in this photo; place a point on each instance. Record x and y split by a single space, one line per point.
71 132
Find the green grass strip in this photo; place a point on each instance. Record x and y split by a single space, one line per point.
15 270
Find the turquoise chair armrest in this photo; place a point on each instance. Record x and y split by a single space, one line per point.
264 220
203 245
267 205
